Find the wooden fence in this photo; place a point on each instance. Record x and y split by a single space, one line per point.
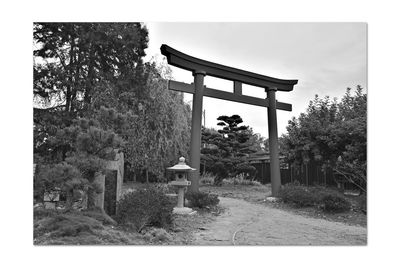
306 174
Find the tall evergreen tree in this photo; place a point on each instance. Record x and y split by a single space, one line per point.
224 151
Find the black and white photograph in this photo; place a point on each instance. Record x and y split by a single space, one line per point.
185 134
199 133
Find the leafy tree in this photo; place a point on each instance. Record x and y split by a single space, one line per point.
160 130
329 131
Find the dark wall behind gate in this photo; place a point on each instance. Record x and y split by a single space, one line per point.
307 174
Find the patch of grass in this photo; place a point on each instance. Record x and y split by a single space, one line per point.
99 215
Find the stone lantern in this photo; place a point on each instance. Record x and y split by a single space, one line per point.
181 171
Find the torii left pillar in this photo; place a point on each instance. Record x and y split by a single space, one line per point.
195 141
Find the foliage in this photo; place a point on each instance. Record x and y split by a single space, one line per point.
202 199
320 197
66 224
207 178
335 203
81 67
240 180
298 195
246 170
62 176
53 227
332 133
161 130
72 59
224 151
84 148
100 215
144 207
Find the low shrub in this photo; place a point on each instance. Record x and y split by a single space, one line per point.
220 171
144 207
335 203
321 197
298 195
246 169
207 178
240 180
100 215
66 224
40 213
202 199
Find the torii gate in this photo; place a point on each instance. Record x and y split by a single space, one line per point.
200 68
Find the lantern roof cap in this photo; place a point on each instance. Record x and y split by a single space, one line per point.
181 166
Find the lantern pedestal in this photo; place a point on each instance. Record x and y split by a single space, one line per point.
181 171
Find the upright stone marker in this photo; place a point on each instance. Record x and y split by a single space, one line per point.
200 68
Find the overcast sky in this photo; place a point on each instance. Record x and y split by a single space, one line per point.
326 58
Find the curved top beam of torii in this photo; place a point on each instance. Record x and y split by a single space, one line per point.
181 60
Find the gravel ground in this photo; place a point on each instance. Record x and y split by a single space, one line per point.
245 223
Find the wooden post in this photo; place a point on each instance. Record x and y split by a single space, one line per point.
195 140
291 173
273 142
307 173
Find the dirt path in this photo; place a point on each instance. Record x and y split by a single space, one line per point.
244 223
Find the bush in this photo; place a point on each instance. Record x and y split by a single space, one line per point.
202 200
66 224
144 207
220 170
335 203
240 180
246 170
298 195
327 199
207 178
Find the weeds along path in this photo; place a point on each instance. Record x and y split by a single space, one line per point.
245 223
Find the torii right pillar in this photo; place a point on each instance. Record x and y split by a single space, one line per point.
273 142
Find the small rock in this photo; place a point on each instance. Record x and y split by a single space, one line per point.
177 230
272 199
